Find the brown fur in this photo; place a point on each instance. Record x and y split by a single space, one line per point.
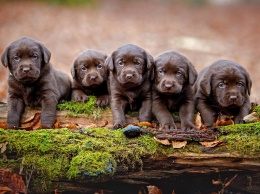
223 87
172 90
33 81
130 68
90 74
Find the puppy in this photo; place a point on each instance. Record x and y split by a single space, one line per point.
33 81
223 87
172 90
90 74
130 69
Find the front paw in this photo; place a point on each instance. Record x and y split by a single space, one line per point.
102 100
169 126
80 98
118 125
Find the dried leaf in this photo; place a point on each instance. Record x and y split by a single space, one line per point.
212 144
105 124
12 180
216 182
3 125
32 123
145 124
92 125
179 144
197 121
57 124
6 190
228 183
162 141
3 147
68 125
224 120
154 190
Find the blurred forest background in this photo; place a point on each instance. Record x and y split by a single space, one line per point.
203 30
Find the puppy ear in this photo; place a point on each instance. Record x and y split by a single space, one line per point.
150 65
109 62
4 57
46 54
248 83
205 84
192 74
73 69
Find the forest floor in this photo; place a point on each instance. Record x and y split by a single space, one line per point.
203 32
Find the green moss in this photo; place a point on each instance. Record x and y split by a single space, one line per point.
257 110
92 153
242 138
88 108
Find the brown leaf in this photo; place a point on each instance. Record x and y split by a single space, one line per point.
216 182
12 180
68 125
212 144
3 147
3 125
197 121
32 123
105 124
6 190
153 190
145 124
179 144
224 120
162 141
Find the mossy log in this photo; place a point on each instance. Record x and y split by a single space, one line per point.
78 160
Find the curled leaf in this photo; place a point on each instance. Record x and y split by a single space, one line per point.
179 144
145 124
216 182
212 144
162 141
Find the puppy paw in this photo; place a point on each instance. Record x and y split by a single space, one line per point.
102 100
169 126
80 98
118 126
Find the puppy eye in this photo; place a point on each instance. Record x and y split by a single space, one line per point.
222 85
240 84
161 71
121 63
99 66
34 57
83 68
179 73
138 63
16 58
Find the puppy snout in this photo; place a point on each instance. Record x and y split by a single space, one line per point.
129 75
168 86
25 69
93 77
233 97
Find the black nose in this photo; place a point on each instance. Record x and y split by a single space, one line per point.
26 69
129 75
233 97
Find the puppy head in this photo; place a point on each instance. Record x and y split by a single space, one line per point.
131 65
172 72
25 57
228 82
89 68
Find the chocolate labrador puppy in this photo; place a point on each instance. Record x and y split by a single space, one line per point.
223 87
172 90
33 81
90 74
130 70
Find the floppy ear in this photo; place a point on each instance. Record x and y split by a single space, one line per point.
205 84
46 54
73 69
4 57
192 73
150 65
248 83
109 62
